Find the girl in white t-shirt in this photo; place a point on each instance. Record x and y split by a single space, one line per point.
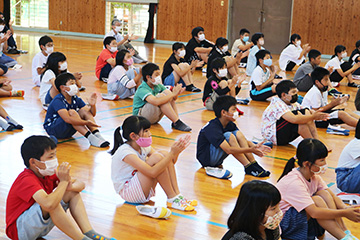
308 205
340 68
293 54
137 168
123 78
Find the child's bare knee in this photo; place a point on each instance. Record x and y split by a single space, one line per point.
154 158
319 201
183 65
223 84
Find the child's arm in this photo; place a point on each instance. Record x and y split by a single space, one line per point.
40 70
75 119
305 49
267 82
50 201
238 150
302 119
344 74
164 98
92 102
325 213
203 50
183 72
246 46
335 102
111 61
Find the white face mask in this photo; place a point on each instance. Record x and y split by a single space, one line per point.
49 50
202 37
157 80
73 90
224 49
236 115
117 28
182 53
344 55
2 27
63 66
222 72
322 169
51 166
261 42
113 49
298 43
273 221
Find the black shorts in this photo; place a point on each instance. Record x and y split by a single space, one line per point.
335 76
287 132
331 121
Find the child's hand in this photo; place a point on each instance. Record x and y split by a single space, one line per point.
239 55
232 82
240 79
194 63
262 147
353 214
63 173
320 116
180 144
92 100
200 64
176 90
133 37
256 150
90 123
5 81
77 75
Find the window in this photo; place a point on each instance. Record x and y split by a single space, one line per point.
30 13
133 16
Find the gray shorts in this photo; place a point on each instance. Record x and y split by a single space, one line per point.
31 224
151 113
209 102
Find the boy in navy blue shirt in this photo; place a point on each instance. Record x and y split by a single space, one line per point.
68 114
221 137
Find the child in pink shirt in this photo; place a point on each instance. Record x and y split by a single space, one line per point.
308 205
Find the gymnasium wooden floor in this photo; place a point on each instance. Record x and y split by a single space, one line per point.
107 211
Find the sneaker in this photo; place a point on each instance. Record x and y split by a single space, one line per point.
13 51
9 128
18 93
353 85
192 88
242 65
109 96
193 202
218 172
333 92
45 106
82 88
243 101
335 84
169 87
239 111
17 126
153 211
179 125
338 128
356 77
16 67
330 131
341 95
105 80
350 198
278 77
252 170
180 204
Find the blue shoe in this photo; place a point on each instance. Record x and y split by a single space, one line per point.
338 128
218 172
267 143
243 101
343 132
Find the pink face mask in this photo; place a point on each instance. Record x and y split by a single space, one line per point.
129 62
144 142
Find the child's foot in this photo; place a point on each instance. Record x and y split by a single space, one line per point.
192 88
97 142
6 126
353 85
179 204
17 93
179 125
257 165
337 130
218 172
110 96
82 88
153 211
11 121
333 92
192 202
98 135
96 236
252 170
335 84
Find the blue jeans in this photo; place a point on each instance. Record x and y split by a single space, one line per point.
170 80
348 179
8 61
217 155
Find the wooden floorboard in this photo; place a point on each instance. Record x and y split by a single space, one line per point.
107 211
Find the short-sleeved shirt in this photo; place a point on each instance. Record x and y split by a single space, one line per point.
212 85
335 63
190 49
59 102
101 61
259 76
235 48
314 98
142 93
290 53
168 69
118 73
350 156
121 172
302 71
296 191
117 36
272 113
211 134
215 53
354 57
251 63
45 84
20 197
38 61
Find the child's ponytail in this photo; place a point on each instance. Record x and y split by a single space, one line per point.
288 167
118 140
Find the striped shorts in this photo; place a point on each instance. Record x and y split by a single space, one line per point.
132 191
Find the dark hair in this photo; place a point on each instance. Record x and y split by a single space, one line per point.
115 20
2 21
260 55
255 38
308 150
223 103
178 45
313 53
35 146
108 40
148 70
357 44
357 130
217 63
338 49
62 79
284 87
221 42
243 31
196 30
44 40
131 124
293 37
319 73
52 62
254 199
120 55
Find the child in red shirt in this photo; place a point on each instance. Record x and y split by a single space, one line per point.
106 60
33 207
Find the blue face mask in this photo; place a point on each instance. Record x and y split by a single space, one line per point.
245 39
268 62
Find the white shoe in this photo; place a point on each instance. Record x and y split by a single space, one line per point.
350 198
218 172
109 96
337 128
335 84
153 211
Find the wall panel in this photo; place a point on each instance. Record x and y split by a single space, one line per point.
86 16
327 23
176 18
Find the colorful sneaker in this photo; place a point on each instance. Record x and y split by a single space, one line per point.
353 85
333 92
169 87
17 93
218 172
350 198
192 202
338 128
181 205
335 84
153 211
343 133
